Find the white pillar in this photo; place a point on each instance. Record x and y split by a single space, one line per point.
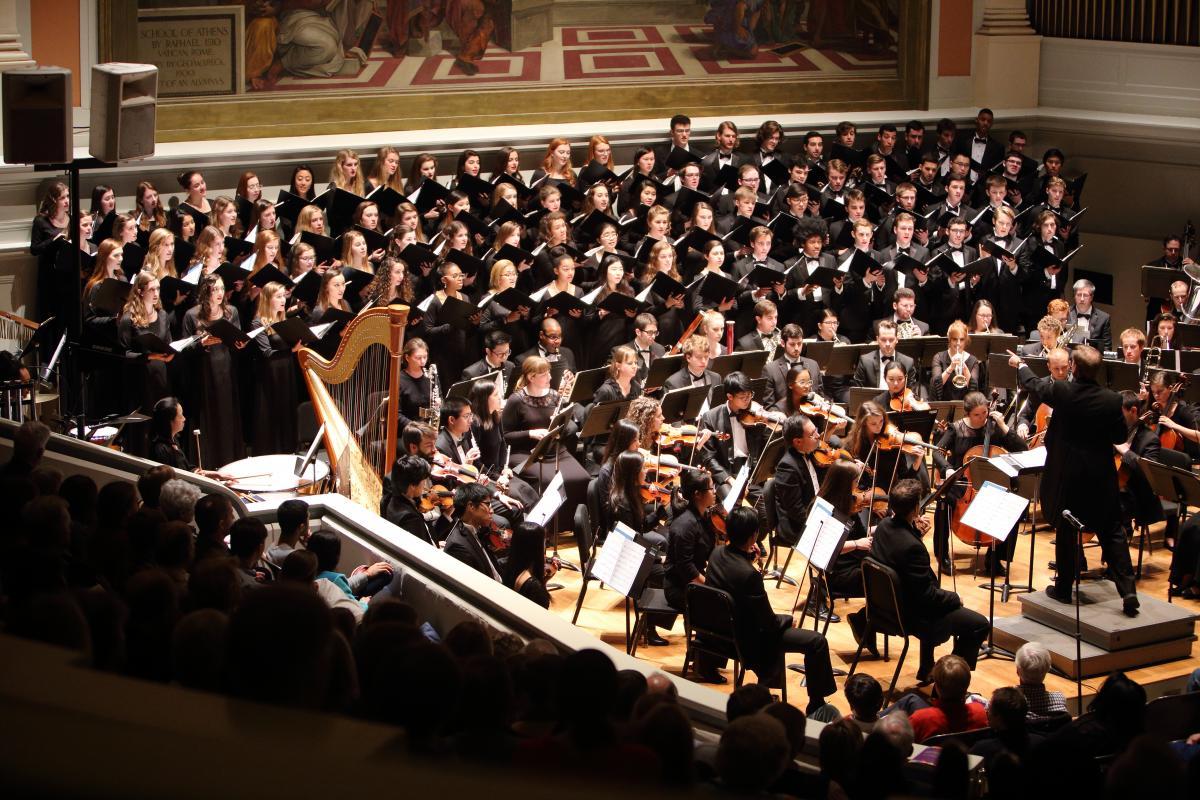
1008 56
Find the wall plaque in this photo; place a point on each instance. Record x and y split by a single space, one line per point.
198 51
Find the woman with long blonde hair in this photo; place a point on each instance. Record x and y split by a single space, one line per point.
346 173
274 420
386 169
160 254
144 313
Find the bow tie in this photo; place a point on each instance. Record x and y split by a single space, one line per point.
980 139
1083 316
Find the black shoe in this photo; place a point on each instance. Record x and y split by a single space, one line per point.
711 677
1130 604
858 625
1061 595
923 678
824 614
654 640
945 566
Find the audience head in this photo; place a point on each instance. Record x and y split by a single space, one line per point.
951 678
248 539
1033 662
293 521
897 729
865 696
327 547
177 500
150 485
748 699
752 754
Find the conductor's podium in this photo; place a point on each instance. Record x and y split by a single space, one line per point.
1111 641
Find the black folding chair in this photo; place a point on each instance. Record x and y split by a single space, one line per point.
709 622
884 613
587 553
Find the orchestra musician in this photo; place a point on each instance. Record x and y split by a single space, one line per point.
955 372
1080 475
416 387
743 421
695 371
898 396
871 367
690 541
1033 415
776 372
1139 503
410 482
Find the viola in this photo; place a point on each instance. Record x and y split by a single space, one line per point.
498 538
714 518
672 435
891 438
875 499
965 533
906 401
655 493
437 497
826 454
820 408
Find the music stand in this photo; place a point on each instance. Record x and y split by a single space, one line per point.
1120 375
995 511
859 395
541 453
843 358
586 384
819 351
922 349
601 418
981 345
662 368
310 457
824 531
1020 479
947 411
1156 281
624 565
749 362
683 404
919 422
1186 335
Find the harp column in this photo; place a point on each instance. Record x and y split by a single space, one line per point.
1008 55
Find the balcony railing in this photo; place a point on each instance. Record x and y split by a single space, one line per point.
1146 21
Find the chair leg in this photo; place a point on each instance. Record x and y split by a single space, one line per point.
885 647
587 576
1137 573
854 663
638 623
899 664
783 681
783 572
687 653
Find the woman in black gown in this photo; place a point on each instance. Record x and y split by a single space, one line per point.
51 223
487 431
213 375
166 423
276 377
416 387
514 322
144 314
447 342
527 414
526 569
608 329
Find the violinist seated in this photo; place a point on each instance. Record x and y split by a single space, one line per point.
690 542
844 578
930 613
1034 415
456 443
871 366
633 502
468 540
797 478
981 433
801 398
744 425
762 635
955 372
888 452
410 484
776 372
1138 500
899 396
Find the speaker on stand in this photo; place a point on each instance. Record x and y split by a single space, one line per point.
37 116
124 105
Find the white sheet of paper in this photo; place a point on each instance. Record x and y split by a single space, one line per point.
179 345
548 504
822 536
735 493
994 511
619 560
320 330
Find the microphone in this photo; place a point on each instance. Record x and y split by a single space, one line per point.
1071 518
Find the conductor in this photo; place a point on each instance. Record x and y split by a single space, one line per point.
1080 476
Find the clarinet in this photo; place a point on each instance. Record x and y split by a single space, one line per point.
435 394
565 385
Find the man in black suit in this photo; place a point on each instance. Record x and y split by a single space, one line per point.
1003 283
765 335
903 229
725 155
762 635
942 146
979 146
1080 476
465 542
681 133
797 478
550 346
695 372
767 140
645 330
749 177
871 366
1138 501
931 613
456 443
410 480
792 344
1098 323
497 347
761 241
743 443
904 304
803 301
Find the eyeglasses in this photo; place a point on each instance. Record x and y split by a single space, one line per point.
650 332
552 336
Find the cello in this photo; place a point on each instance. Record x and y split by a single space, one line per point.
965 533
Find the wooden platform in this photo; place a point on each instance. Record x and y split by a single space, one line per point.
1103 623
1012 632
603 614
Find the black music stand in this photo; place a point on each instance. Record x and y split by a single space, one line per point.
662 368
541 453
989 649
982 345
749 362
817 570
1024 483
859 395
623 564
819 351
947 411
1156 281
586 384
601 418
1186 335
843 358
684 404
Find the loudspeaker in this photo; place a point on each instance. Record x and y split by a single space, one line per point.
37 116
124 102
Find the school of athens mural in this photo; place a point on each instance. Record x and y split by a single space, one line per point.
423 45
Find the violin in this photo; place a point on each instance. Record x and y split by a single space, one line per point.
906 401
875 499
672 435
821 408
437 497
891 438
656 493
714 518
498 538
749 417
826 454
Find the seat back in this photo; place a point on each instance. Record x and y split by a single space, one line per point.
1174 458
583 535
709 613
771 513
599 528
1174 716
884 613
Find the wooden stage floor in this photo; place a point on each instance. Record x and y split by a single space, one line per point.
603 614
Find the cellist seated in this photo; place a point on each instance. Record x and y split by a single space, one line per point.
980 434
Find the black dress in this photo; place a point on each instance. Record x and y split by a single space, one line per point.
603 334
447 344
166 451
414 399
53 288
275 395
147 380
523 413
494 320
215 406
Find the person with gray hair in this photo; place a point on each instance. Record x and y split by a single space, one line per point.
897 729
1092 326
177 500
1033 662
29 445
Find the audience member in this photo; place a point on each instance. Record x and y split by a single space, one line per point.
950 711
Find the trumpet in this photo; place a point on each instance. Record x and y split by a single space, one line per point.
962 376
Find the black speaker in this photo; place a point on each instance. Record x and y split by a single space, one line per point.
124 104
37 116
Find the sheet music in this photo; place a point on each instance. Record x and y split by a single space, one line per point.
548 504
254 333
739 484
192 276
994 511
322 329
1012 463
424 304
487 298
823 534
591 296
179 345
619 560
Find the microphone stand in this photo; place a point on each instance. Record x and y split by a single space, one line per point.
1074 522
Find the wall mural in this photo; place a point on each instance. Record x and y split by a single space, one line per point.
274 46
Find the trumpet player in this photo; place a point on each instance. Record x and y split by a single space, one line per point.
955 372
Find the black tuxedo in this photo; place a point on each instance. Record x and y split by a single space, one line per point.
753 341
657 351
661 151
1002 287
794 492
401 512
1138 500
710 166
776 374
683 379
565 355
1099 326
888 255
481 368
993 152
806 311
762 635
930 612
868 370
1080 475
717 454
467 548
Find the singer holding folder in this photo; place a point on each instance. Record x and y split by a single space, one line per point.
1080 475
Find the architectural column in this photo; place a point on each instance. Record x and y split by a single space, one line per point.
1008 55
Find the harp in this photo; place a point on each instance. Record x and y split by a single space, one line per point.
356 396
16 332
